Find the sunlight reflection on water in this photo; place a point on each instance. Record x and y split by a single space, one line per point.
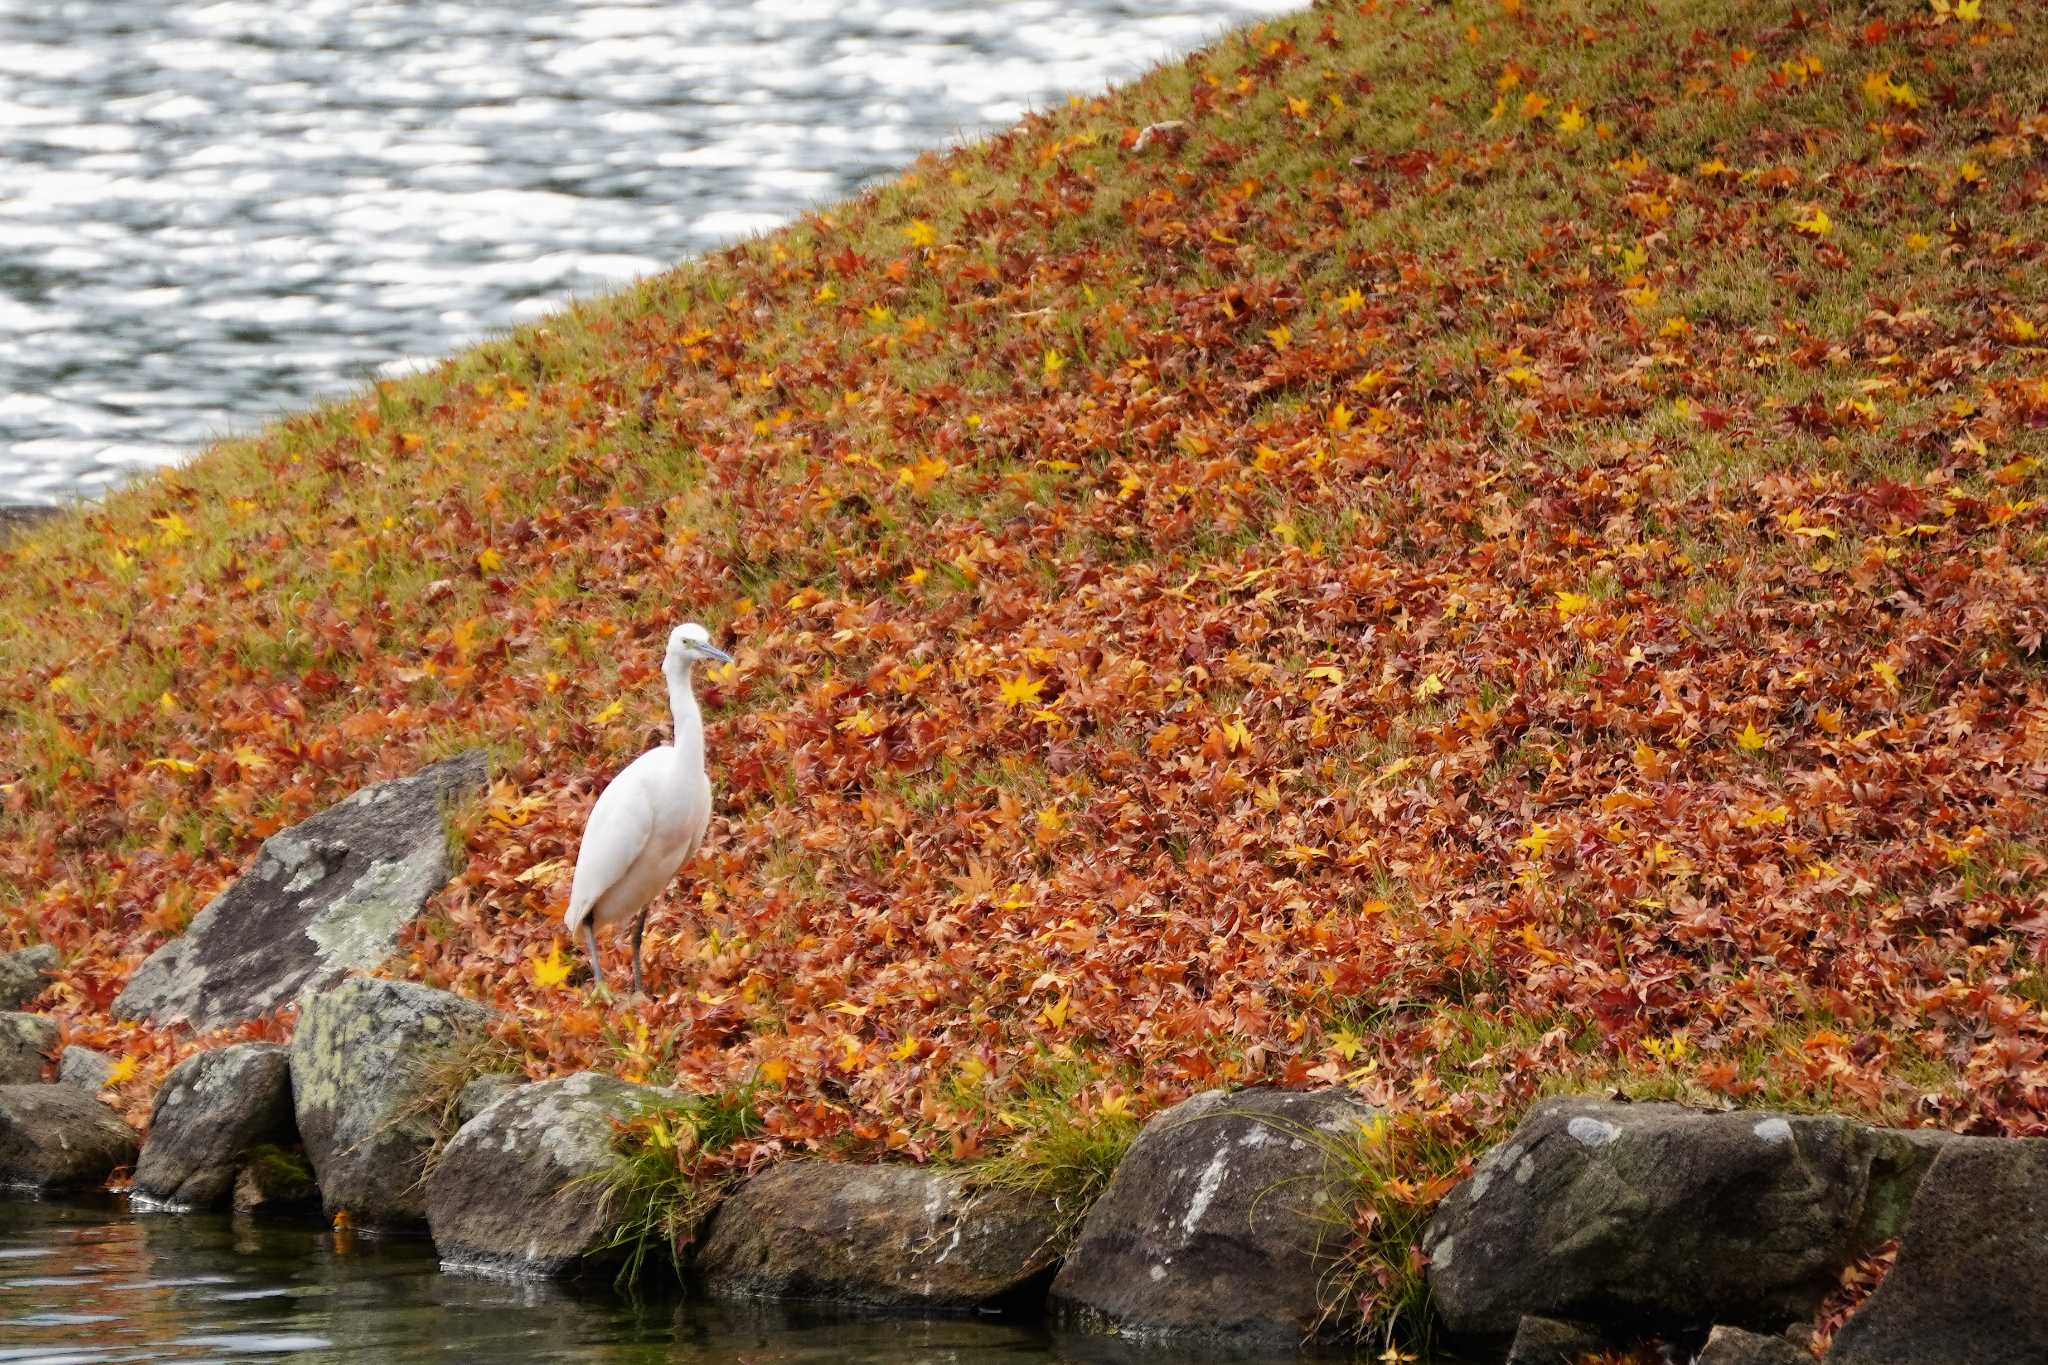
212 213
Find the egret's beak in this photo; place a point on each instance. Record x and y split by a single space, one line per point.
714 652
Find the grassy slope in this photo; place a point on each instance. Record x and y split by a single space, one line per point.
1437 580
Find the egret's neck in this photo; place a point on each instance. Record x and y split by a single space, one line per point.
682 704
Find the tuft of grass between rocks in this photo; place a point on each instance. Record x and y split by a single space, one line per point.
669 1176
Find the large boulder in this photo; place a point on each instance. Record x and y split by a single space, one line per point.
324 897
518 1189
357 1061
210 1112
24 973
1966 1288
25 1043
59 1137
1219 1222
876 1236
1615 1212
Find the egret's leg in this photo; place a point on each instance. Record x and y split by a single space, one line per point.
590 938
639 928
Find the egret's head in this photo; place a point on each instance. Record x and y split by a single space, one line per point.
690 642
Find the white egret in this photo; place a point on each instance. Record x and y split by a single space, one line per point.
651 818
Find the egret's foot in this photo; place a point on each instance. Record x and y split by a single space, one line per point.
601 994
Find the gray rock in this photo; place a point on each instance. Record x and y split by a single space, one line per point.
16 517
514 1189
24 974
1966 1288
356 1061
877 1236
1553 1341
25 1043
1608 1211
210 1112
59 1137
84 1068
1733 1346
324 897
483 1092
273 1180
1218 1223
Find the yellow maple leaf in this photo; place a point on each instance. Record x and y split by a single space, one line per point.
1769 815
1022 690
174 528
490 561
176 765
1351 301
1570 604
122 1070
1751 738
609 714
1886 674
552 970
921 233
1054 1016
1534 104
1817 224
1536 840
1571 122
1236 736
1054 362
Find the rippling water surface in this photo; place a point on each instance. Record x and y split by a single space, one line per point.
84 1283
212 212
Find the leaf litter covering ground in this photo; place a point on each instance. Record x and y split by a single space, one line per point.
1503 552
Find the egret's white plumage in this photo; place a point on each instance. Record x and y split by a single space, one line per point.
651 818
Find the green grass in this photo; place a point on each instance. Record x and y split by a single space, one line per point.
667 1180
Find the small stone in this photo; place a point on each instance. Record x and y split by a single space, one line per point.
1169 133
356 1080
1734 1346
1966 1287
24 973
25 1044
1217 1225
876 1236
273 1180
215 1107
84 1068
1554 1341
483 1092
58 1137
518 1188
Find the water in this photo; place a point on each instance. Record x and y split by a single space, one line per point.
90 1282
214 212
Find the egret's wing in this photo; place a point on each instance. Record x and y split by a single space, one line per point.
619 828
